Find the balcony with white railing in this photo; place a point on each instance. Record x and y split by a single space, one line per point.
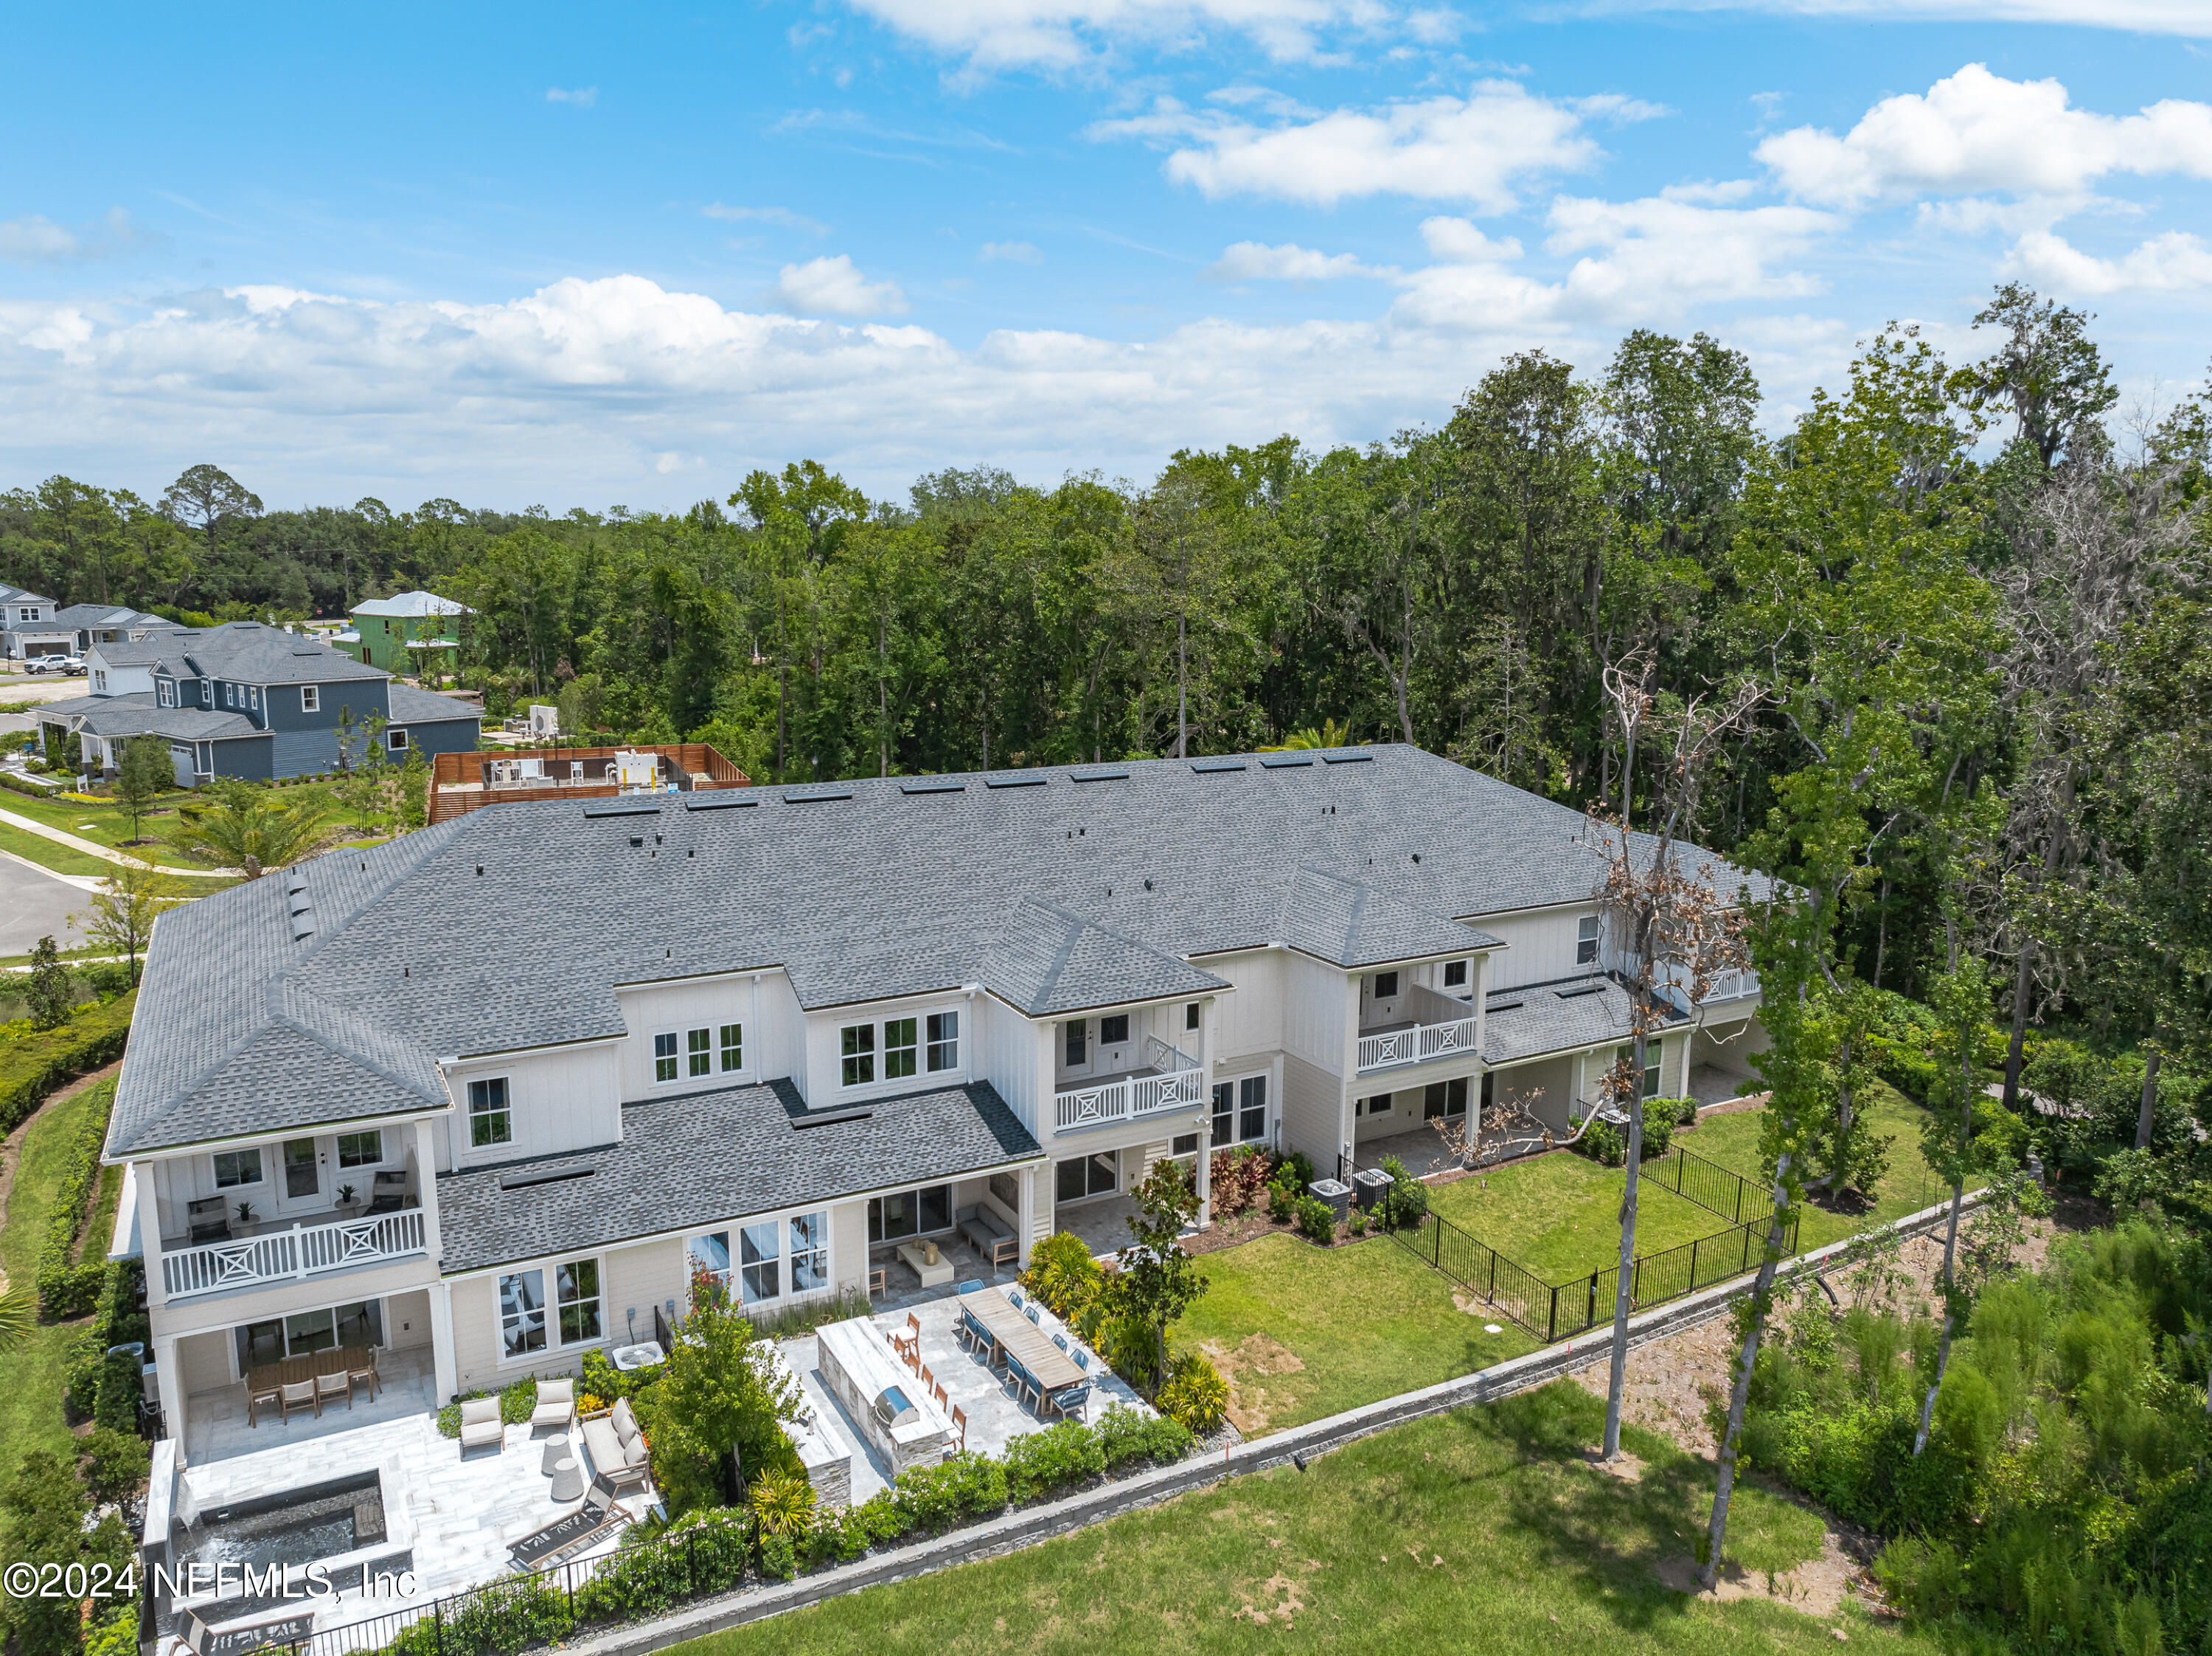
1440 1027
286 1255
1170 1080
1739 984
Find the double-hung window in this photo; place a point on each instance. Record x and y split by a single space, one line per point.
666 1066
1653 1050
898 1048
237 1167
1078 1030
521 1314
686 1054
944 1041
857 1045
1224 1112
361 1150
698 1051
734 1047
490 1122
576 1295
167 690
1454 974
1252 1109
759 1262
311 698
1586 940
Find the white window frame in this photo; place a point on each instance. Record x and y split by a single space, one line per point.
784 1227
504 1110
730 1048
1238 1105
868 1061
1586 930
856 1058
941 1036
395 738
260 1168
311 698
687 1052
253 698
1466 976
339 1149
902 1049
166 696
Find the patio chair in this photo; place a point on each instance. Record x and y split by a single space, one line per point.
210 1218
880 1280
337 1384
914 1327
556 1405
960 1425
270 1392
944 1399
1068 1404
1031 1313
929 1380
360 1370
301 1394
565 1537
1027 1392
480 1424
973 1285
1015 1296
387 1193
1060 1340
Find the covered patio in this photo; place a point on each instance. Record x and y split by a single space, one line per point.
217 1428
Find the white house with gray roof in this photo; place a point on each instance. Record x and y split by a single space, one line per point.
29 626
581 1050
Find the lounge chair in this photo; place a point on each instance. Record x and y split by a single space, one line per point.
617 1447
556 1405
480 1424
210 1218
565 1537
991 1236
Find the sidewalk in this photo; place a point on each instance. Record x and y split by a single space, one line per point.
94 848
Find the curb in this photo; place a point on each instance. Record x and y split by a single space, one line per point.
1015 1530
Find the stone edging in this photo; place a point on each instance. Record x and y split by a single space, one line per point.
1014 1531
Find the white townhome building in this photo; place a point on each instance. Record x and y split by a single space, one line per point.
496 1089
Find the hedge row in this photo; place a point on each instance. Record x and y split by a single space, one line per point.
35 1065
16 783
67 1289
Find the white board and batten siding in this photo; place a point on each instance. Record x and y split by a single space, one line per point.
561 1098
651 1010
1540 946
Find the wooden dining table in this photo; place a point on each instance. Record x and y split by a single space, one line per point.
1023 1340
266 1377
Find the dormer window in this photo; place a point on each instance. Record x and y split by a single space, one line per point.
165 692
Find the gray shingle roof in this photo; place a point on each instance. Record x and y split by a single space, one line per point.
90 615
250 653
1060 895
134 714
412 603
686 1163
412 706
1540 1018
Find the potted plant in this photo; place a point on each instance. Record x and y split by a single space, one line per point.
345 1195
246 1213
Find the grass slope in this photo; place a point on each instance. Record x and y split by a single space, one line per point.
107 825
62 859
1480 1529
31 1374
1308 1331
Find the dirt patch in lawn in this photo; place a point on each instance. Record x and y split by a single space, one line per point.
1818 1586
1245 1366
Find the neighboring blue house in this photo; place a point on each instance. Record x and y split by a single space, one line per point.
247 701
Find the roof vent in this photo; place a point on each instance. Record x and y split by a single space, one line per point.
532 1181
1205 767
1020 780
1346 758
1579 990
1275 762
1505 1006
622 808
1099 776
816 795
729 801
933 785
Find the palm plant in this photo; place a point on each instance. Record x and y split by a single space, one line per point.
783 1502
14 1318
1330 735
246 829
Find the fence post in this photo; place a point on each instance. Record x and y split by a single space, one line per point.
1635 1285
438 1629
1492 1296
1693 1262
1437 1226
1551 1321
1747 1249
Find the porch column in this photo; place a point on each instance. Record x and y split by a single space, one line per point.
1206 1171
169 1383
426 1175
1575 1085
149 1233
442 1340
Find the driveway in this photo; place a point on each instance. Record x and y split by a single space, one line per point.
34 904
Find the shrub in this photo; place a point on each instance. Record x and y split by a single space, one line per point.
1125 1435
516 1403
1685 1110
1357 1224
122 1384
1237 1179
116 1462
935 1498
1063 1274
1405 1203
1317 1220
700 1553
881 1518
1195 1397
783 1503
1601 1142
35 1067
1040 1464
778 1557
117 1636
1282 1200
1658 1134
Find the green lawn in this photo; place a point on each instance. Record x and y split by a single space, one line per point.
107 825
1307 1331
31 1374
1732 1142
1559 1215
1480 1529
62 859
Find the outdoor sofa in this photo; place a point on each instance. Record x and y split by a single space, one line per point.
992 1237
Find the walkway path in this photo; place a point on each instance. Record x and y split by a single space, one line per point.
107 854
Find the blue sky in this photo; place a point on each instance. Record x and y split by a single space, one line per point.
578 257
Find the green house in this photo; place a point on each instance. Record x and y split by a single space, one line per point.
383 628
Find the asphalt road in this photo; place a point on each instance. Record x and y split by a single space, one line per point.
34 904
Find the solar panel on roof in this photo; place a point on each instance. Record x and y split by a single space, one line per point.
1204 766
933 785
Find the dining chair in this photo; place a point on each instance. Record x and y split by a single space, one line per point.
1015 1294
880 1281
339 1383
360 1370
1031 1313
301 1394
1060 1340
913 1326
960 1425
929 1380
973 1285
258 1393
944 1400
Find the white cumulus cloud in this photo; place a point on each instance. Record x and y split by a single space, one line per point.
582 96
1255 261
835 287
1476 150
2175 261
1974 132
999 33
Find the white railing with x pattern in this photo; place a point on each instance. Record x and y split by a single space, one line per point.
1732 985
1416 1044
1132 1096
283 1255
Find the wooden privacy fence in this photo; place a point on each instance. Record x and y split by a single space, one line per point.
463 782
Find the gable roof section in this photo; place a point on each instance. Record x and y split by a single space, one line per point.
412 706
1049 962
417 604
250 653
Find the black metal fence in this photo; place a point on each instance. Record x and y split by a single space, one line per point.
1557 1310
1710 1186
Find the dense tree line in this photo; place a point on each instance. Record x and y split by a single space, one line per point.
1970 594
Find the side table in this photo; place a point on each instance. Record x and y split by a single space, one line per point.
556 1449
568 1479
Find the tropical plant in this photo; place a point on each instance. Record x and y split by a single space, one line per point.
1158 1282
1195 1397
1063 1273
243 827
783 1503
